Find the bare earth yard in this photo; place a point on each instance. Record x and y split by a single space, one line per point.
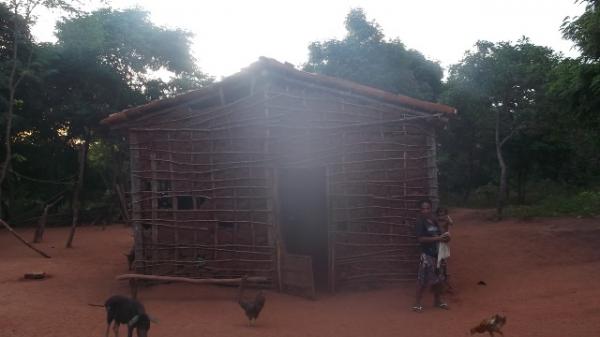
543 274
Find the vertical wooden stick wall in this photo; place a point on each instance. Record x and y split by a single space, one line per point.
222 153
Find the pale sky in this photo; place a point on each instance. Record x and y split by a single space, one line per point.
229 35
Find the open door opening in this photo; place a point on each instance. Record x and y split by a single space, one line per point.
303 221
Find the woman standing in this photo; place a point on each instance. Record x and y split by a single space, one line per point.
429 234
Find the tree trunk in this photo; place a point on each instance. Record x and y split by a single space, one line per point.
507 195
502 190
76 200
39 231
469 181
522 181
13 83
7 131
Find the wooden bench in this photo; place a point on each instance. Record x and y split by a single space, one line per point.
134 278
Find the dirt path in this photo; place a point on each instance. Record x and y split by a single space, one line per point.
542 274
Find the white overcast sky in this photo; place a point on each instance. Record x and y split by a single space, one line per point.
230 35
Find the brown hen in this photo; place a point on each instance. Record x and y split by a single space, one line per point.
490 325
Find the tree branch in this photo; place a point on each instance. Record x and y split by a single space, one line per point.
23 240
507 137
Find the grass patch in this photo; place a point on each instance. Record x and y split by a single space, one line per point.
585 204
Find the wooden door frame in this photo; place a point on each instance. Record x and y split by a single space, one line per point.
281 250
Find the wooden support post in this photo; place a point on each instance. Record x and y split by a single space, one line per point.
154 185
76 195
133 287
175 205
136 208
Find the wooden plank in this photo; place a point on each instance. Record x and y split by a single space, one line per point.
188 280
174 205
297 275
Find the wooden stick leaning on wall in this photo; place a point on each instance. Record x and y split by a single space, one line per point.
122 204
23 240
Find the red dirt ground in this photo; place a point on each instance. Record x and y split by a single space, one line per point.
542 274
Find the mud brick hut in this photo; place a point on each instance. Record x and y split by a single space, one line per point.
308 180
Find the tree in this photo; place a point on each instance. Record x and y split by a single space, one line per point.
17 17
578 81
584 30
575 89
104 63
506 83
365 57
466 157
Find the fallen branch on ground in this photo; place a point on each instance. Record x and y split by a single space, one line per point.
23 240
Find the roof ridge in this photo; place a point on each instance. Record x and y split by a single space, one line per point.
288 69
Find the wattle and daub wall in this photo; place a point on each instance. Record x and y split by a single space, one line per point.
204 180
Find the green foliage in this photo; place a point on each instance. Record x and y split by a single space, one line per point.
157 88
103 62
363 56
483 196
584 203
466 157
576 89
126 41
8 20
576 84
504 78
585 30
105 59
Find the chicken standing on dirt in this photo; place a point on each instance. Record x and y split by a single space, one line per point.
490 325
251 308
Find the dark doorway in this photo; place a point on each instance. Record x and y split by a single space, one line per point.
303 217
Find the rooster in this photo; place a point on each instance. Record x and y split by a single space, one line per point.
491 325
251 308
